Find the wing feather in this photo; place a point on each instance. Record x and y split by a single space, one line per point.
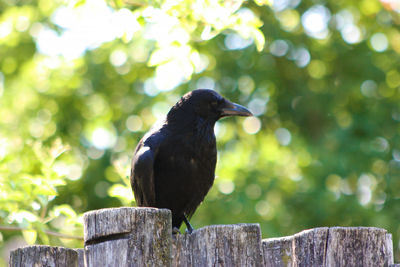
142 177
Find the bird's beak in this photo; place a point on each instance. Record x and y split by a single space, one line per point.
233 109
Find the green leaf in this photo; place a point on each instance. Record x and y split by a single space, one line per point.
123 193
65 210
78 3
259 39
263 2
30 236
160 56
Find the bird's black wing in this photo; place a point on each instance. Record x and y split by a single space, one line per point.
142 176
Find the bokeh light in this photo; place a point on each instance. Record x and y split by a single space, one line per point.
392 5
281 5
366 183
134 123
103 138
234 42
289 19
279 48
258 106
252 125
283 135
351 34
301 56
118 58
253 191
315 21
205 83
369 88
85 27
379 42
346 24
226 187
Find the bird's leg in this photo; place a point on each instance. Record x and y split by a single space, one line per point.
175 231
189 228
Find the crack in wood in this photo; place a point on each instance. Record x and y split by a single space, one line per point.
106 238
326 247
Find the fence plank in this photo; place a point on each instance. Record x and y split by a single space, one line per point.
336 246
128 237
359 246
81 256
278 252
219 245
43 256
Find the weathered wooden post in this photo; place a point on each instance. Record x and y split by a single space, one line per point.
219 245
33 256
128 237
335 246
81 257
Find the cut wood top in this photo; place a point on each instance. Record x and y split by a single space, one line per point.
114 221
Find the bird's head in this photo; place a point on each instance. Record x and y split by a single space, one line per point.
208 104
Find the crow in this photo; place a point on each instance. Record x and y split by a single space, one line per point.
174 163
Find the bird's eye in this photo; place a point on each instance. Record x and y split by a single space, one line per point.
214 104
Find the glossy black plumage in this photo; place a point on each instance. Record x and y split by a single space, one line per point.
174 163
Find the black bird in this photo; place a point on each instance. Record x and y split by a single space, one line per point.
174 163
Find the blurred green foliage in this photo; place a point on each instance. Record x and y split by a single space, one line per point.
82 81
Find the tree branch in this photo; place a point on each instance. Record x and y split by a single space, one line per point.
15 228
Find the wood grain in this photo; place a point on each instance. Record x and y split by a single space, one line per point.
33 256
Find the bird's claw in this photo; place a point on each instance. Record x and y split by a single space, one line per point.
189 227
175 231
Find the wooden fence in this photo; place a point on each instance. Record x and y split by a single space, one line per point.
142 237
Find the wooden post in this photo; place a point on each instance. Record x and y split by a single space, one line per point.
335 246
33 256
277 252
81 257
219 245
128 237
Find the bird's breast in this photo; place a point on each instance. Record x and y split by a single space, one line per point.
184 171
188 161
203 157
